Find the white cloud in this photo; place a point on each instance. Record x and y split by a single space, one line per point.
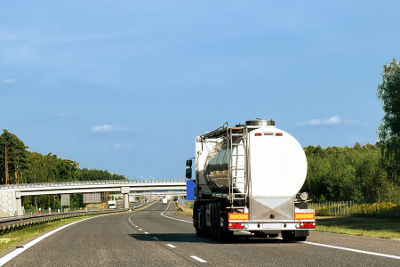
10 81
102 128
315 122
334 120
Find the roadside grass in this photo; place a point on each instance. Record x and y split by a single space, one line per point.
184 212
185 209
361 226
11 239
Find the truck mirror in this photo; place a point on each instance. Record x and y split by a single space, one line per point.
189 163
189 173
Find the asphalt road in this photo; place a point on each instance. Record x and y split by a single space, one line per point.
146 238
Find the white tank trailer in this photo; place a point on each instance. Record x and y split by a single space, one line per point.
247 179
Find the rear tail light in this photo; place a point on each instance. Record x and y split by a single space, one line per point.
307 225
236 226
279 134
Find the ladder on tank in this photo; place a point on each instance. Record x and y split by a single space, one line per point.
238 186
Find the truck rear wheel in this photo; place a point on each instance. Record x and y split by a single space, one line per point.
300 238
219 233
288 236
215 222
204 229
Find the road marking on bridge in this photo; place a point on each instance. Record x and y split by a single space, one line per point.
198 259
353 250
19 250
171 246
162 214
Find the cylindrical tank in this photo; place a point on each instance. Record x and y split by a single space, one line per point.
277 164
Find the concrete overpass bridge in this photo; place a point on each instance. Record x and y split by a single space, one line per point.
11 195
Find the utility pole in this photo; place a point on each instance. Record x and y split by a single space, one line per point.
6 162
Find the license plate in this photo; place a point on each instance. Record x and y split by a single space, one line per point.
272 226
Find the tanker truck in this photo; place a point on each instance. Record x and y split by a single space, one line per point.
248 179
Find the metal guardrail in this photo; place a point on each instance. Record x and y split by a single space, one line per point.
12 223
98 182
16 222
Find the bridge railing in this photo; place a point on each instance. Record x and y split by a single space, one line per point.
96 182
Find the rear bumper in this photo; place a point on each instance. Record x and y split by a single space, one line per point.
267 226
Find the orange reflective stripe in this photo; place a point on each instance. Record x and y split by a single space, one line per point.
304 216
238 216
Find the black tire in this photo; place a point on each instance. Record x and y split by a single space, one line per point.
196 224
288 236
215 228
227 235
204 229
300 238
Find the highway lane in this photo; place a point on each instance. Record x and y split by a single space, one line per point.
148 239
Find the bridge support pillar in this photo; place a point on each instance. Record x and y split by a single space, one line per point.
19 209
125 192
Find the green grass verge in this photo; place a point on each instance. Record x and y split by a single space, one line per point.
19 236
186 209
361 226
184 212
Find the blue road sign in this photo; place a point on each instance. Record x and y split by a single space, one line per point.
190 187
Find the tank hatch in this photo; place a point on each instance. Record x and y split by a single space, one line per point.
260 122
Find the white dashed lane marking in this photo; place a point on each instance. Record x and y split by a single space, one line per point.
198 259
170 245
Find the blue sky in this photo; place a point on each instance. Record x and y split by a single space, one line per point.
127 85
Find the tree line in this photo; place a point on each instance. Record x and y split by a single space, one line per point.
368 173
355 173
19 165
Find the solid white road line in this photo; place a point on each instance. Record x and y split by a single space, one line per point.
171 246
353 250
130 220
162 214
198 259
19 250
